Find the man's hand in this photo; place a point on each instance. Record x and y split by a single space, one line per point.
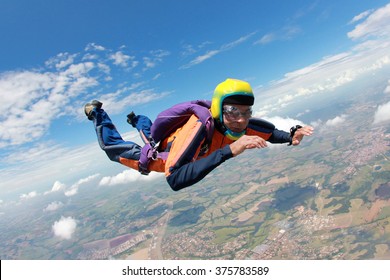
304 131
247 142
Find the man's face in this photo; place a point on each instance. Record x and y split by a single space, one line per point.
236 117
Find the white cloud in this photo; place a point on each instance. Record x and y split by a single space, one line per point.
34 100
104 68
128 176
283 123
303 113
115 103
121 59
286 33
376 24
338 70
210 53
94 47
237 42
157 76
316 123
190 49
64 228
29 195
61 61
201 58
73 190
382 114
361 16
266 39
156 57
54 206
387 89
87 179
336 121
78 161
333 71
57 186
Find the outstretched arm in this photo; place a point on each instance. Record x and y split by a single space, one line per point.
192 172
276 136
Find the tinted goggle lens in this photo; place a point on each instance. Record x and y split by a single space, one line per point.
234 113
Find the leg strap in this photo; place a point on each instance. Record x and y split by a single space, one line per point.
148 153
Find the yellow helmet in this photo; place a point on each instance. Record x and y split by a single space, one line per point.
234 92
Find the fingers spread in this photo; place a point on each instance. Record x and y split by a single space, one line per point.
257 142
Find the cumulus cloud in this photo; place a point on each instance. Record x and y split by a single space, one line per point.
121 59
382 114
87 179
73 190
94 47
336 121
316 123
35 99
128 176
57 186
61 61
65 227
54 206
77 161
284 123
29 195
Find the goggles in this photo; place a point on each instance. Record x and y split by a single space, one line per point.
233 113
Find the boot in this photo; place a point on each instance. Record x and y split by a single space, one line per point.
88 108
130 118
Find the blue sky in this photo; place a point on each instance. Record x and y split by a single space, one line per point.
148 55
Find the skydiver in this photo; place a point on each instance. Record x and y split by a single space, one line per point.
212 133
